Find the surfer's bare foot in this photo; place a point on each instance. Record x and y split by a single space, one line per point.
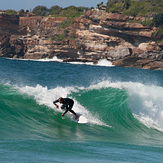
76 117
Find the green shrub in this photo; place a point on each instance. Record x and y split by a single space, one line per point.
11 12
158 20
135 8
100 4
117 5
158 34
72 36
66 23
57 38
66 32
71 11
148 23
139 8
60 37
21 12
55 10
64 36
40 10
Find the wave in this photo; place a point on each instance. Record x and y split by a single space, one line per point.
144 101
118 110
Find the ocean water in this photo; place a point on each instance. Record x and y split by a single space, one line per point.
124 108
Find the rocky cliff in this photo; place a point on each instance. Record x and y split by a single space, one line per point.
112 36
119 39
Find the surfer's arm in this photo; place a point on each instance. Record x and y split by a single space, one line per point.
54 102
65 111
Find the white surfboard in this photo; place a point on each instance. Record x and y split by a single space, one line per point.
81 119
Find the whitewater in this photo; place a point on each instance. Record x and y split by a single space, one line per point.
123 107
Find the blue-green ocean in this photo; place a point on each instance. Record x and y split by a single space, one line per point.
124 108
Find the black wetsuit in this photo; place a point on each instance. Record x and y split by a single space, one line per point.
67 103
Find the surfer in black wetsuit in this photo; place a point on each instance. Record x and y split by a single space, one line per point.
68 104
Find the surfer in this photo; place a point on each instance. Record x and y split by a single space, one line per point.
67 104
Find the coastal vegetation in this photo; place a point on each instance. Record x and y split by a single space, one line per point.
54 11
57 11
65 36
134 8
147 8
10 12
151 9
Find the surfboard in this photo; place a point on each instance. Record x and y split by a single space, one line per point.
81 119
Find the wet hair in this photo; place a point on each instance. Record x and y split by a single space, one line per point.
60 99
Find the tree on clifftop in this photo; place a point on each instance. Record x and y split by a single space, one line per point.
55 10
40 10
100 4
118 5
21 12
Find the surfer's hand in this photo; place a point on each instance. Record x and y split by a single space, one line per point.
56 105
62 114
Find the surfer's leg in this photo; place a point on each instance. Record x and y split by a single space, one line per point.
76 116
72 112
70 109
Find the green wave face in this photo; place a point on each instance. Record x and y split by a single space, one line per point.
28 114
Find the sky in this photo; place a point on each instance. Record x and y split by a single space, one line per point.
31 4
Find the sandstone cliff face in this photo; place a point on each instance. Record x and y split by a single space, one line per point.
99 35
29 37
8 24
119 39
38 25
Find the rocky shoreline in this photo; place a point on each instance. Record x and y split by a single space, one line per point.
99 35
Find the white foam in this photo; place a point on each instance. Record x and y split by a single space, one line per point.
146 102
102 62
52 59
81 63
46 96
106 84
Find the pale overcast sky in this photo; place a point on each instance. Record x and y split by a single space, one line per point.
30 4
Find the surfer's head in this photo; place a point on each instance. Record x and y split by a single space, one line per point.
60 99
